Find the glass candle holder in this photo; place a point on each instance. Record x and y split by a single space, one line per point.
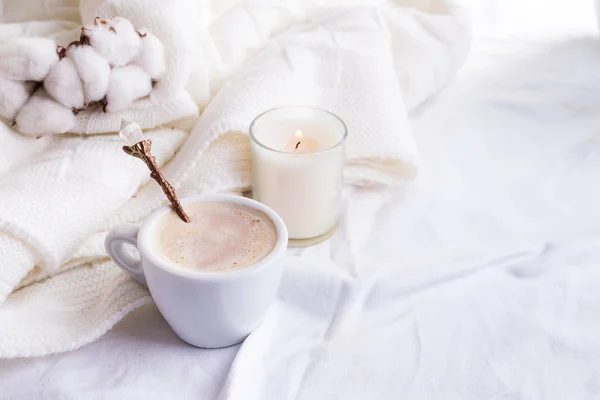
297 169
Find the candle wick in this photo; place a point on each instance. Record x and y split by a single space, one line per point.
297 144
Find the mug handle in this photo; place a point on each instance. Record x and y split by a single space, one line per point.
115 247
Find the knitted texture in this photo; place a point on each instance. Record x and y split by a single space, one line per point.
60 195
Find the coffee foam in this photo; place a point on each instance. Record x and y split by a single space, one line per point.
219 237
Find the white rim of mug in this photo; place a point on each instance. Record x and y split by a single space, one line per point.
314 153
145 242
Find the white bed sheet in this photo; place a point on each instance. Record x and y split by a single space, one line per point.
478 281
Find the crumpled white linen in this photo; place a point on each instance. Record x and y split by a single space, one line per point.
392 332
60 195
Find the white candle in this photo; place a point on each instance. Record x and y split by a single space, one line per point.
297 166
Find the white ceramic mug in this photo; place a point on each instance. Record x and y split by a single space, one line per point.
205 309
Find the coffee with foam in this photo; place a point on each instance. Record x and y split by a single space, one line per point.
219 237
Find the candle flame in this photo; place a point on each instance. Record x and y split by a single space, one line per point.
299 134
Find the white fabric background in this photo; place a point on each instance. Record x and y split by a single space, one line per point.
479 281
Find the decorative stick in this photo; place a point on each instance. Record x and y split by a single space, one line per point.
140 148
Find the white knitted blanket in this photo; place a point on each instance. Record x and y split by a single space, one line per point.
369 62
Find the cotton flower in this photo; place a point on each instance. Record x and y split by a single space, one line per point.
152 55
13 94
93 70
43 87
41 115
27 59
127 84
115 39
64 84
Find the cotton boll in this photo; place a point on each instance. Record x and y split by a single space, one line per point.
42 115
115 39
27 59
64 85
127 84
93 70
13 94
152 55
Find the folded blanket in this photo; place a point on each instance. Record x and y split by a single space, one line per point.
60 195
